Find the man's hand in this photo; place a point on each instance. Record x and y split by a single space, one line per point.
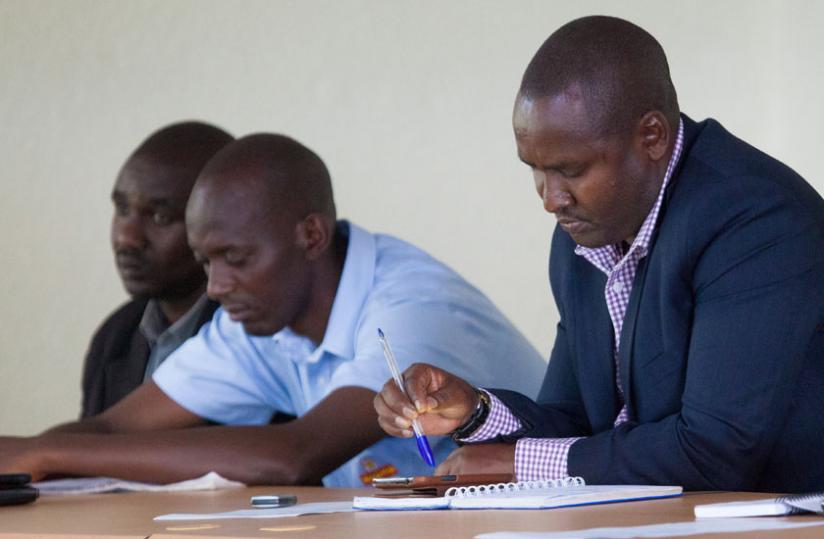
481 458
19 455
440 400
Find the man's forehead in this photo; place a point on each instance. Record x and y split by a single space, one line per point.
212 225
246 187
549 136
149 179
565 110
224 206
217 224
217 234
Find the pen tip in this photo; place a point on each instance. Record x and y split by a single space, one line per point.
380 333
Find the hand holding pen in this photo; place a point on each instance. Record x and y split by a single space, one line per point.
423 444
440 401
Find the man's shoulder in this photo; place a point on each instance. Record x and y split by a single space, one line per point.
409 281
716 164
383 272
385 260
113 338
400 263
722 181
389 248
125 318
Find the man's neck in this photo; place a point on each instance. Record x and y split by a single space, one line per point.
175 308
325 281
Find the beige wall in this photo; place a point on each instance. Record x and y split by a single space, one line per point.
408 103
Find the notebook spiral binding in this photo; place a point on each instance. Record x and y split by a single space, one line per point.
509 488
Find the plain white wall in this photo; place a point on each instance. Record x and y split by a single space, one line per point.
408 102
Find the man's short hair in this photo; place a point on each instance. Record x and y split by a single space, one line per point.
188 144
619 68
296 178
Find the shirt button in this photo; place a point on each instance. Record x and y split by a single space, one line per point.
617 286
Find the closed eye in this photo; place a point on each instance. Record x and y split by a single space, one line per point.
571 172
235 258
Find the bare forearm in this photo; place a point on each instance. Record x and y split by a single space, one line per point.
252 455
299 452
89 426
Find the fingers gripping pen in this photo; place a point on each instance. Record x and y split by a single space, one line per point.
423 443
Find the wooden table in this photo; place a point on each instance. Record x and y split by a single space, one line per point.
130 515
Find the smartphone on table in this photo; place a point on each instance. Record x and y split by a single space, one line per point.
15 489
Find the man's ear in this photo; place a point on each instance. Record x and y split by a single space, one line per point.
655 134
314 235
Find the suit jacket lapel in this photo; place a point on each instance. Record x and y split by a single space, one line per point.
628 332
595 350
625 354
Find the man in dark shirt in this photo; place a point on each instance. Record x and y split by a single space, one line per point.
154 261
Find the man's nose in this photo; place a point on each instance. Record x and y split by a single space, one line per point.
219 282
127 232
552 192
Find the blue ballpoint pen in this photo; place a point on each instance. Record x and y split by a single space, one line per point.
423 443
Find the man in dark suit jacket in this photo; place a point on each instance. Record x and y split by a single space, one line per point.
688 270
155 263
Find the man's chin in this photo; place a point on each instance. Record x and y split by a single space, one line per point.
140 289
259 329
593 238
591 241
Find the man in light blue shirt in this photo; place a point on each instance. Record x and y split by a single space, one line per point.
302 296
427 310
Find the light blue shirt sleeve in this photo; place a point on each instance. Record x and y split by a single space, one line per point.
223 375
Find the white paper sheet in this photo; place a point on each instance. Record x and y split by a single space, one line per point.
97 485
371 503
719 525
278 512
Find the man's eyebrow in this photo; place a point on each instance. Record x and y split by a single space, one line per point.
167 202
157 202
558 165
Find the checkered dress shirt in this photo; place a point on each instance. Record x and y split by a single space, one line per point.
546 458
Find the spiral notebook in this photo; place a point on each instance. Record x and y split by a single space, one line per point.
565 492
783 505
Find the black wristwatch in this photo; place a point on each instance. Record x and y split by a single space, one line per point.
477 418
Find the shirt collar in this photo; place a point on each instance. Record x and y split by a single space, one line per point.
153 322
355 284
154 325
644 236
